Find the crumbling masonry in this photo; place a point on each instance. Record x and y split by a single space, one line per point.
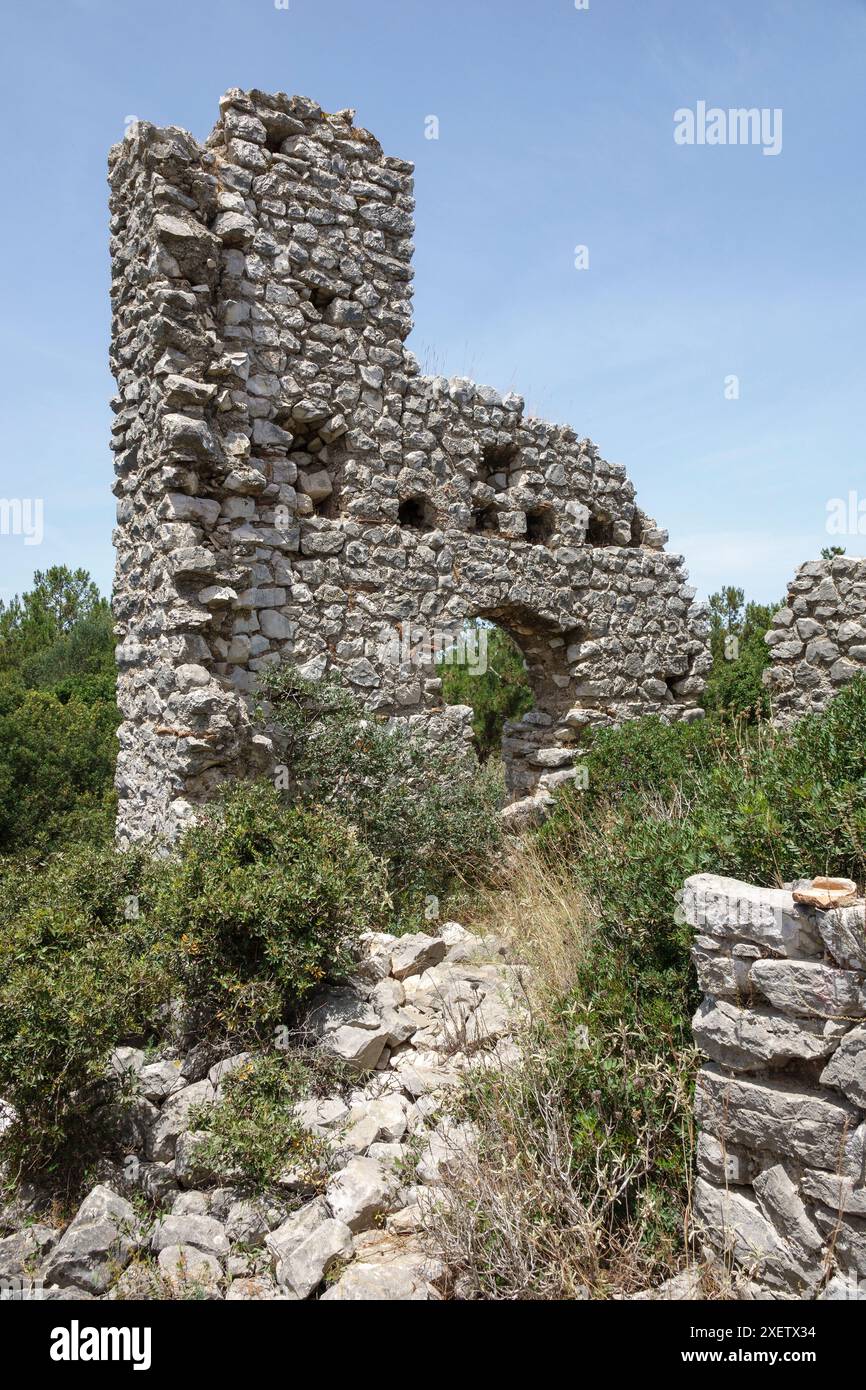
818 640
290 487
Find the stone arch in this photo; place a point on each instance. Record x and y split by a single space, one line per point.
539 748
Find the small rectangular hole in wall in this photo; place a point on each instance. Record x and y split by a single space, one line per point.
327 507
485 519
321 296
600 529
540 525
497 460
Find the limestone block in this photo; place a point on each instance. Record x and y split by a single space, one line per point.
360 1193
845 1195
732 1222
731 910
402 1279
847 1069
186 1265
843 931
757 1038
305 1266
848 1236
726 1164
98 1242
416 953
770 1114
780 1202
809 988
174 1119
200 1231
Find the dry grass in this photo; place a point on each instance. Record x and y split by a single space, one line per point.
514 1226
528 1217
544 917
524 1220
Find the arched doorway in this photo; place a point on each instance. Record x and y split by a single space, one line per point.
511 668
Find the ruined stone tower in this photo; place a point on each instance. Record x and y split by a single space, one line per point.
290 487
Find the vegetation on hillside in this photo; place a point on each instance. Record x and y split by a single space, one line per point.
58 717
583 1171
224 940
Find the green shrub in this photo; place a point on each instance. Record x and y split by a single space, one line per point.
423 810
57 760
79 973
759 804
266 902
766 806
84 653
260 904
58 715
60 627
254 1133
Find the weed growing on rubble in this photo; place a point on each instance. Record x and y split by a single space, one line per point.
253 1136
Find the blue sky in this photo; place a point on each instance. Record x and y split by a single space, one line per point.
555 130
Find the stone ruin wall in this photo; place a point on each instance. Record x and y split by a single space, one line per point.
781 1102
818 640
290 487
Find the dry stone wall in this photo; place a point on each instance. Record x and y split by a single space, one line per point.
346 1219
290 487
781 1102
818 640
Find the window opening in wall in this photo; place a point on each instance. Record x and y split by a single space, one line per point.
417 514
485 519
497 461
321 296
540 525
600 529
326 506
319 475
